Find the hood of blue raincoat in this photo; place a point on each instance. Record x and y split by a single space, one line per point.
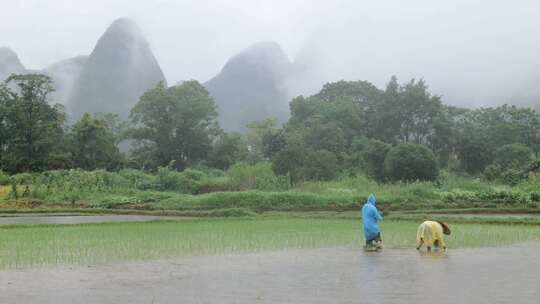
372 200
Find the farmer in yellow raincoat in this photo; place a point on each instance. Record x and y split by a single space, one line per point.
431 234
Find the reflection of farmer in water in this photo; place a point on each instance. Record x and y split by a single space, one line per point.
430 233
371 218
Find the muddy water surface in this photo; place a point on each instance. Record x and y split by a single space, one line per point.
333 275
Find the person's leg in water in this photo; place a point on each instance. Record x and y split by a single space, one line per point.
375 242
420 243
436 246
378 241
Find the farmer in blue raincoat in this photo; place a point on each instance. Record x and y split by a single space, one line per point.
371 218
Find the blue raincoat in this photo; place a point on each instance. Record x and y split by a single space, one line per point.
371 218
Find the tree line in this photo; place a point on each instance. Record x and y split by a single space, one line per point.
400 132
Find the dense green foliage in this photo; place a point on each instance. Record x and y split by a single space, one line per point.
31 130
359 123
514 156
348 129
94 145
375 155
173 126
410 162
251 187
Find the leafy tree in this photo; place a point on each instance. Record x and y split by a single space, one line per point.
5 99
516 156
324 136
492 172
174 126
418 109
474 154
290 162
343 106
93 144
320 165
31 129
257 130
481 132
273 142
399 114
406 113
410 162
354 161
386 119
229 149
353 105
374 156
115 124
444 139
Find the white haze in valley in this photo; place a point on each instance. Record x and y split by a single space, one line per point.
473 53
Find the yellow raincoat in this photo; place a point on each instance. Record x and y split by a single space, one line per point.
429 232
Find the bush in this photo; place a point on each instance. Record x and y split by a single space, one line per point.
187 181
513 177
410 162
259 176
289 162
232 212
228 150
259 201
320 165
514 156
4 179
374 157
512 164
138 179
493 172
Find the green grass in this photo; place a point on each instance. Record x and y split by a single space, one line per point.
254 188
36 246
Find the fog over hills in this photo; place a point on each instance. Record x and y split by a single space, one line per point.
256 83
472 53
64 74
118 71
111 79
252 86
9 63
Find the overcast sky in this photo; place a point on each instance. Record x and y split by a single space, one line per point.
471 52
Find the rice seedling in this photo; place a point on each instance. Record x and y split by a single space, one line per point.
35 246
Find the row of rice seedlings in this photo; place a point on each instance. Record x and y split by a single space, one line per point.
22 247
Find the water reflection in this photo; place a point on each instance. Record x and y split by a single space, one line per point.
330 275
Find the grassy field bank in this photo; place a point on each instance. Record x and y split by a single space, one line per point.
251 189
35 246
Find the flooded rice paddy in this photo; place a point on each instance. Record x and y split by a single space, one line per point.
78 219
331 275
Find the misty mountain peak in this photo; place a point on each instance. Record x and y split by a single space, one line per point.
123 23
7 54
9 63
251 86
265 49
118 71
123 31
263 58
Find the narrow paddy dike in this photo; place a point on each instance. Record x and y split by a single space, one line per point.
37 219
328 275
